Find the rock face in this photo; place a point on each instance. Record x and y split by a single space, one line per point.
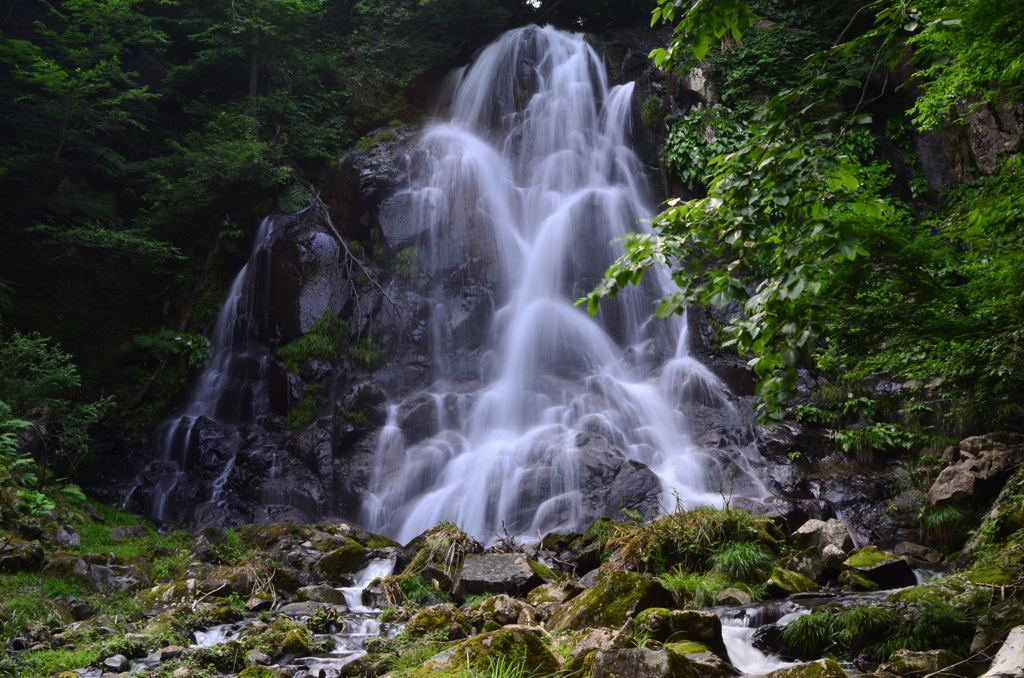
984 465
1009 661
642 663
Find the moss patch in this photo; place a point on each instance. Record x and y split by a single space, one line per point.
436 619
857 581
688 647
784 582
349 558
869 556
507 647
609 604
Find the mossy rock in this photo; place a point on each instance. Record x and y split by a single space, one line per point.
500 608
688 647
443 618
599 531
554 592
991 574
907 663
266 536
856 581
348 559
869 556
701 628
491 625
785 582
543 571
823 668
514 646
642 662
296 641
581 664
616 598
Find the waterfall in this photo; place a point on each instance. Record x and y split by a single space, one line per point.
231 388
532 167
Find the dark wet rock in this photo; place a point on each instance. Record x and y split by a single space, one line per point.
766 639
887 570
17 555
418 417
321 594
513 574
922 554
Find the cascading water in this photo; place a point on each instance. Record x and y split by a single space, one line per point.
534 168
230 389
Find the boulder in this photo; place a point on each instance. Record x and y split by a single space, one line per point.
823 668
119 534
444 619
518 646
1009 661
984 466
832 558
820 533
618 596
418 417
347 559
731 596
907 663
707 663
809 563
642 662
887 570
500 609
697 626
18 555
117 664
919 553
509 573
856 581
321 594
555 592
67 536
785 582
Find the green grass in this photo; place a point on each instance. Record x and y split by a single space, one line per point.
409 659
322 342
45 663
306 409
367 352
747 561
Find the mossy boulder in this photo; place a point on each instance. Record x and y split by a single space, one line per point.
500 609
907 662
347 559
823 668
639 662
857 581
676 626
517 646
554 592
886 569
785 582
266 537
439 619
707 663
617 597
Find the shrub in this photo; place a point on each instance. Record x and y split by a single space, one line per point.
322 342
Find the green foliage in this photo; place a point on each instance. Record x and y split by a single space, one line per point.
363 145
700 26
743 561
698 138
875 631
948 526
305 411
367 352
322 342
194 349
968 53
650 111
407 263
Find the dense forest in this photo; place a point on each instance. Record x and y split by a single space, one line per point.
844 217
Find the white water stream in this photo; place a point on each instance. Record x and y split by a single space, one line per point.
534 166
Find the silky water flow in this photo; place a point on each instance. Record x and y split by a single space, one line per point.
534 161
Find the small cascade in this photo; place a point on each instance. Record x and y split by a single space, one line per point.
230 389
529 182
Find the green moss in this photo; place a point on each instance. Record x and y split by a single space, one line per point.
610 602
582 664
990 574
869 556
436 619
48 662
491 625
823 668
255 672
543 571
857 581
789 582
322 342
305 411
688 647
347 559
676 626
509 649
367 352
